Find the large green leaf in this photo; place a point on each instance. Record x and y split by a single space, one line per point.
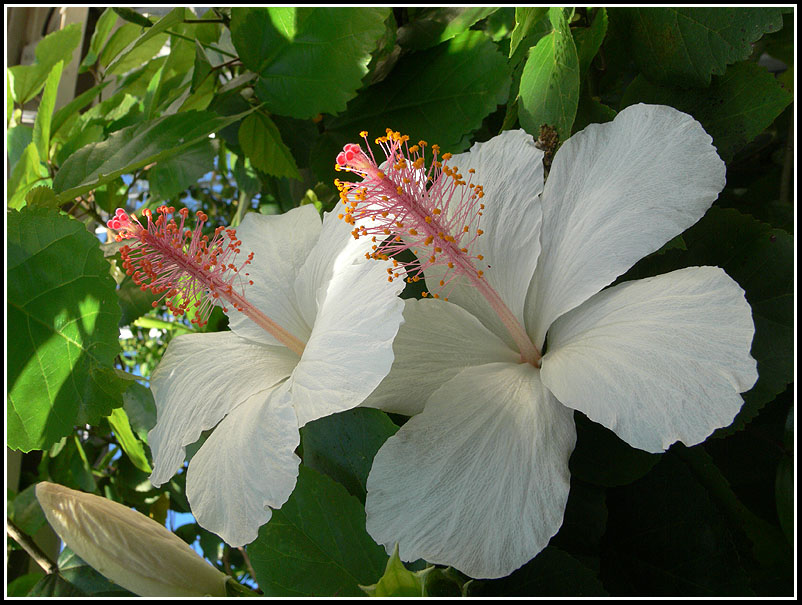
734 109
62 328
316 544
27 80
549 89
261 141
343 445
441 94
685 46
310 60
134 147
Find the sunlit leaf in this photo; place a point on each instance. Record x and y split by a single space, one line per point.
309 60
62 318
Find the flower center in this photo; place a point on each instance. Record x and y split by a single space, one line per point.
433 211
184 267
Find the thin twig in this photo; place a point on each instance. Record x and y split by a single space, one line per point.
36 553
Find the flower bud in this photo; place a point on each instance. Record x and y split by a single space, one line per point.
127 547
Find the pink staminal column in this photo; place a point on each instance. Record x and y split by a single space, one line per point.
431 209
183 266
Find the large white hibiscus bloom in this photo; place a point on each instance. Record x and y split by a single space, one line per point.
478 478
313 281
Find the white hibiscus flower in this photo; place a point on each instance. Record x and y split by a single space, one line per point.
478 478
332 317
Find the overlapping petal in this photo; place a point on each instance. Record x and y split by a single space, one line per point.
437 340
350 349
656 360
617 192
246 467
479 479
281 244
335 248
200 379
510 169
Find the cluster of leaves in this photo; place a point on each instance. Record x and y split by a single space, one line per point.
244 109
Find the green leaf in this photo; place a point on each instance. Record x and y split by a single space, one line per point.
103 27
25 511
62 325
734 109
62 115
261 141
22 585
27 173
432 26
141 409
170 177
132 16
27 80
588 40
316 544
44 114
74 570
53 585
134 147
343 445
310 60
17 139
146 45
441 94
526 18
685 46
118 420
549 89
87 135
41 196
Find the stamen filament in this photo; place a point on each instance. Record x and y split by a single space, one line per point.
433 212
185 268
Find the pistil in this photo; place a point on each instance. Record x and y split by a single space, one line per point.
434 211
184 267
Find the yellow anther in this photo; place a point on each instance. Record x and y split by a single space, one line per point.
363 134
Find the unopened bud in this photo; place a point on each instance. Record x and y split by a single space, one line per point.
127 547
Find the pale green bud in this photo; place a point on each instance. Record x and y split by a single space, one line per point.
127 547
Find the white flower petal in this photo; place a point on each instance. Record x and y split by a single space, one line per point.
127 547
510 169
246 467
350 350
199 380
656 360
437 340
281 244
617 192
479 479
334 248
